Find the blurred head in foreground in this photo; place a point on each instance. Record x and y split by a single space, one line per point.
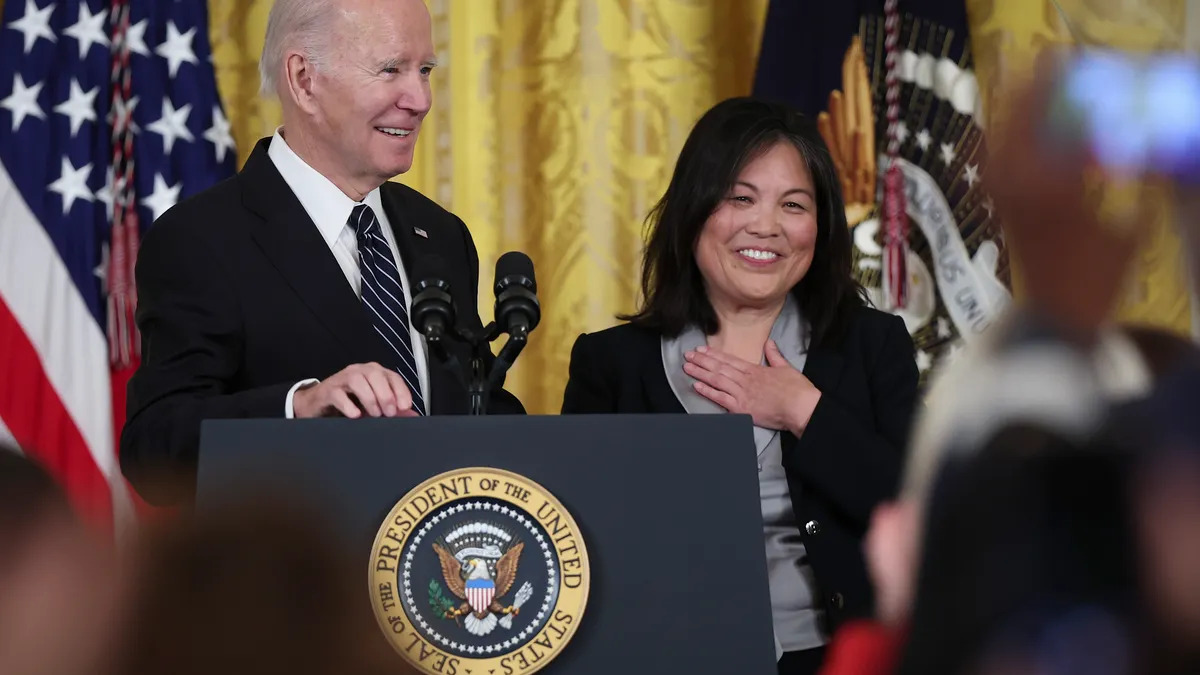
255 588
58 588
1030 552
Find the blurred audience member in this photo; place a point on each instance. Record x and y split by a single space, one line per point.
1025 539
1167 497
58 590
253 589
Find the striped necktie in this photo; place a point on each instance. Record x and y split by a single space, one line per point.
383 297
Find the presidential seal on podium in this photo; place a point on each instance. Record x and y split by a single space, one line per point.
479 570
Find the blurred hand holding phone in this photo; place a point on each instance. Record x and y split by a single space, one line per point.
1075 191
1135 114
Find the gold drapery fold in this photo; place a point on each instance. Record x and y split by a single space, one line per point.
1008 35
555 127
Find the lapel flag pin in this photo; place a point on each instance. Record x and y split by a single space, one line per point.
420 232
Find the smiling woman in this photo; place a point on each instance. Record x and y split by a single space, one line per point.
750 308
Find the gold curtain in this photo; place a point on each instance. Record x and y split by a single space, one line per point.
555 127
1007 36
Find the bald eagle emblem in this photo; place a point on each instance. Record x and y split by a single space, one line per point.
479 562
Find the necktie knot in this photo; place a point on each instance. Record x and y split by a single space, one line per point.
362 219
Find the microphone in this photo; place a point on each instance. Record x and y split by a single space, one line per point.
432 310
517 310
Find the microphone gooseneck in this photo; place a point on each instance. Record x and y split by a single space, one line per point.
517 312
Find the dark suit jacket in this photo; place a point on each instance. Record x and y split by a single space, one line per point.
847 461
239 298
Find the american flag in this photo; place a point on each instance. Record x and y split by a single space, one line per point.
109 114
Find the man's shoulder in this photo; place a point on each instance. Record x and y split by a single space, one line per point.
213 210
419 205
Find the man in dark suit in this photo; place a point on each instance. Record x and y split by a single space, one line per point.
285 291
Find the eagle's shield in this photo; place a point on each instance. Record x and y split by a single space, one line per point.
479 594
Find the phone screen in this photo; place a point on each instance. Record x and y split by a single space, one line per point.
1134 113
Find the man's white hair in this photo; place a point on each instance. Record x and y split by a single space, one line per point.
295 24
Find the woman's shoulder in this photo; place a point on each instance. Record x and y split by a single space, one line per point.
874 323
621 336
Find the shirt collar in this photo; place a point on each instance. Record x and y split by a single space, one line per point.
324 202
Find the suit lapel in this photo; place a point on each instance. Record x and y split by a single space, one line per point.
659 395
448 394
291 241
413 247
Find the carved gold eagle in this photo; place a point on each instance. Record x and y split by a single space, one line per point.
848 128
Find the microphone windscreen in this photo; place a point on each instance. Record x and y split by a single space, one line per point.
515 263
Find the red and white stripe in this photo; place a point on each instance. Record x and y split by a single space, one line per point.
480 598
56 389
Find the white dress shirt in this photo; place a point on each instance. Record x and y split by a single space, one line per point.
330 208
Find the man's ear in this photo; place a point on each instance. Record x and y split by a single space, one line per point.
299 74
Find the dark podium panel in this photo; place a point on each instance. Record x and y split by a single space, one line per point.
668 506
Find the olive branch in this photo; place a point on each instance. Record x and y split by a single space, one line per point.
438 600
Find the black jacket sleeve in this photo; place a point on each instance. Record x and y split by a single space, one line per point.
191 329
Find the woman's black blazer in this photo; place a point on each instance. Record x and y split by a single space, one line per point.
845 463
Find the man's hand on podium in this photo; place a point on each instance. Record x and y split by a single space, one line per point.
363 388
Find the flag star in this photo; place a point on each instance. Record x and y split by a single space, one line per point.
989 206
972 175
177 48
924 362
955 352
101 270
163 198
947 154
219 133
105 194
23 101
943 328
901 131
88 30
924 139
34 24
80 106
135 37
172 124
121 108
72 184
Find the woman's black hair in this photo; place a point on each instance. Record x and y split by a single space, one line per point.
724 140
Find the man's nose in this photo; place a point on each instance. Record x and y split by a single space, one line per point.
416 95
